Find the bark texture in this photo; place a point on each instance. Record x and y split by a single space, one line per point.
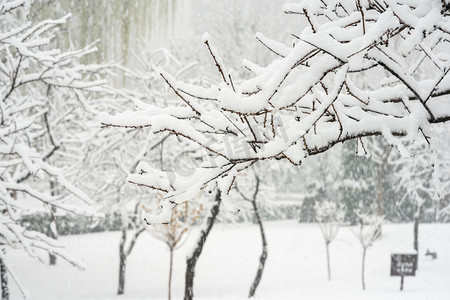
416 231
52 234
363 280
327 244
122 262
52 227
263 257
170 274
192 259
124 252
4 281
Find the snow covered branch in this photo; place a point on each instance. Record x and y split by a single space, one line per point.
40 91
361 68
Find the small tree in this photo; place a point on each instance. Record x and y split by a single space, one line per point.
330 217
174 234
263 257
192 258
369 226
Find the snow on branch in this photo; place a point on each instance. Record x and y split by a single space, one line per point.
348 76
7 6
40 91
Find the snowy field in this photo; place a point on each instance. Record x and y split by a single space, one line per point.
295 269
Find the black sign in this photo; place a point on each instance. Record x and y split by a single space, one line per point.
403 264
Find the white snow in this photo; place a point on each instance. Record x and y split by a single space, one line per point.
295 268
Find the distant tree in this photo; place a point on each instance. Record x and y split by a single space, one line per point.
358 185
330 217
380 155
205 229
102 174
440 161
262 260
378 162
127 152
414 177
369 226
322 172
175 233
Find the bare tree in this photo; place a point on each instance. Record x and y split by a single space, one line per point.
191 260
330 217
264 254
125 247
175 233
367 235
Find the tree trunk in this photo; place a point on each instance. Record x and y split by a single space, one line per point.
4 281
379 198
122 262
52 259
124 252
327 245
53 234
191 260
416 232
362 269
52 227
170 273
262 259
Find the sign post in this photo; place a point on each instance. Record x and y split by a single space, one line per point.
403 265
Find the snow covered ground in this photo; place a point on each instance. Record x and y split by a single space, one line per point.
295 269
